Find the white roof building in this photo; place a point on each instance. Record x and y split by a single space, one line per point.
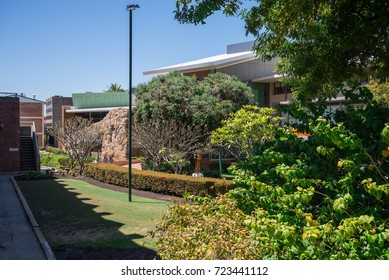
240 61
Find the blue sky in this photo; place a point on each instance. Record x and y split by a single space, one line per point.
60 47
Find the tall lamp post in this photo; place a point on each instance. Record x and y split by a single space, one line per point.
130 8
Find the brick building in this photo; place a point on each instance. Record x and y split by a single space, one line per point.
31 113
9 134
21 132
54 113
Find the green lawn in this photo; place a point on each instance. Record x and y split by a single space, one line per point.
76 214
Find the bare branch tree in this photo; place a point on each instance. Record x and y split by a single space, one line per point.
164 140
78 137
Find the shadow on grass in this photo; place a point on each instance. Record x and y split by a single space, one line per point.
73 226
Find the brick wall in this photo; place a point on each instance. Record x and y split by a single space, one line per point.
54 114
58 102
9 134
33 112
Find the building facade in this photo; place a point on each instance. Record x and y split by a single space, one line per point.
21 132
94 106
112 107
54 106
32 114
9 134
240 61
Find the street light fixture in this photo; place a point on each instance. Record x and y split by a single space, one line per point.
130 8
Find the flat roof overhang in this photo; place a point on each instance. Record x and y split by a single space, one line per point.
209 63
94 110
269 79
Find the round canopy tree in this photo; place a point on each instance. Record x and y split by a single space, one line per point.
184 111
184 99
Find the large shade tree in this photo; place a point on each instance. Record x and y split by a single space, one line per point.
184 99
175 113
321 43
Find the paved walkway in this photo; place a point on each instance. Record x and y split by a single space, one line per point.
18 240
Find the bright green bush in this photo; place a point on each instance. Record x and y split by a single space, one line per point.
324 198
158 182
53 150
248 126
213 229
65 161
52 160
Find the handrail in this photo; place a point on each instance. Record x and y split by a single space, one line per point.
36 148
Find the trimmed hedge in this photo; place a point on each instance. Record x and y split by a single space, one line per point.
158 182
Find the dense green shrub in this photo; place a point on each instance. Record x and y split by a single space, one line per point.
248 126
213 229
172 184
52 160
326 197
53 150
323 198
65 161
33 174
185 100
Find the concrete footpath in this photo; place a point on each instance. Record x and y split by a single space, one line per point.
20 235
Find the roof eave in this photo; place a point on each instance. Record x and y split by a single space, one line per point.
210 65
92 110
269 79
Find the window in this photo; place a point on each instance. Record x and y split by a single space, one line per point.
214 153
279 88
364 80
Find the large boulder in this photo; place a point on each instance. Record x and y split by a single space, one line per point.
115 134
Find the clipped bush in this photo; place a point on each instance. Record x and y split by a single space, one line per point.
33 174
211 230
158 182
53 160
65 161
53 150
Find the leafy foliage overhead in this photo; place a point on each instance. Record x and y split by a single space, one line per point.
380 92
321 43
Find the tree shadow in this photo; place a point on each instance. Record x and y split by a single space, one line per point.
75 229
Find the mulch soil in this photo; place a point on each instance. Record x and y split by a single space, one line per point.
112 254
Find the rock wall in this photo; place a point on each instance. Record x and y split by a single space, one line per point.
115 134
